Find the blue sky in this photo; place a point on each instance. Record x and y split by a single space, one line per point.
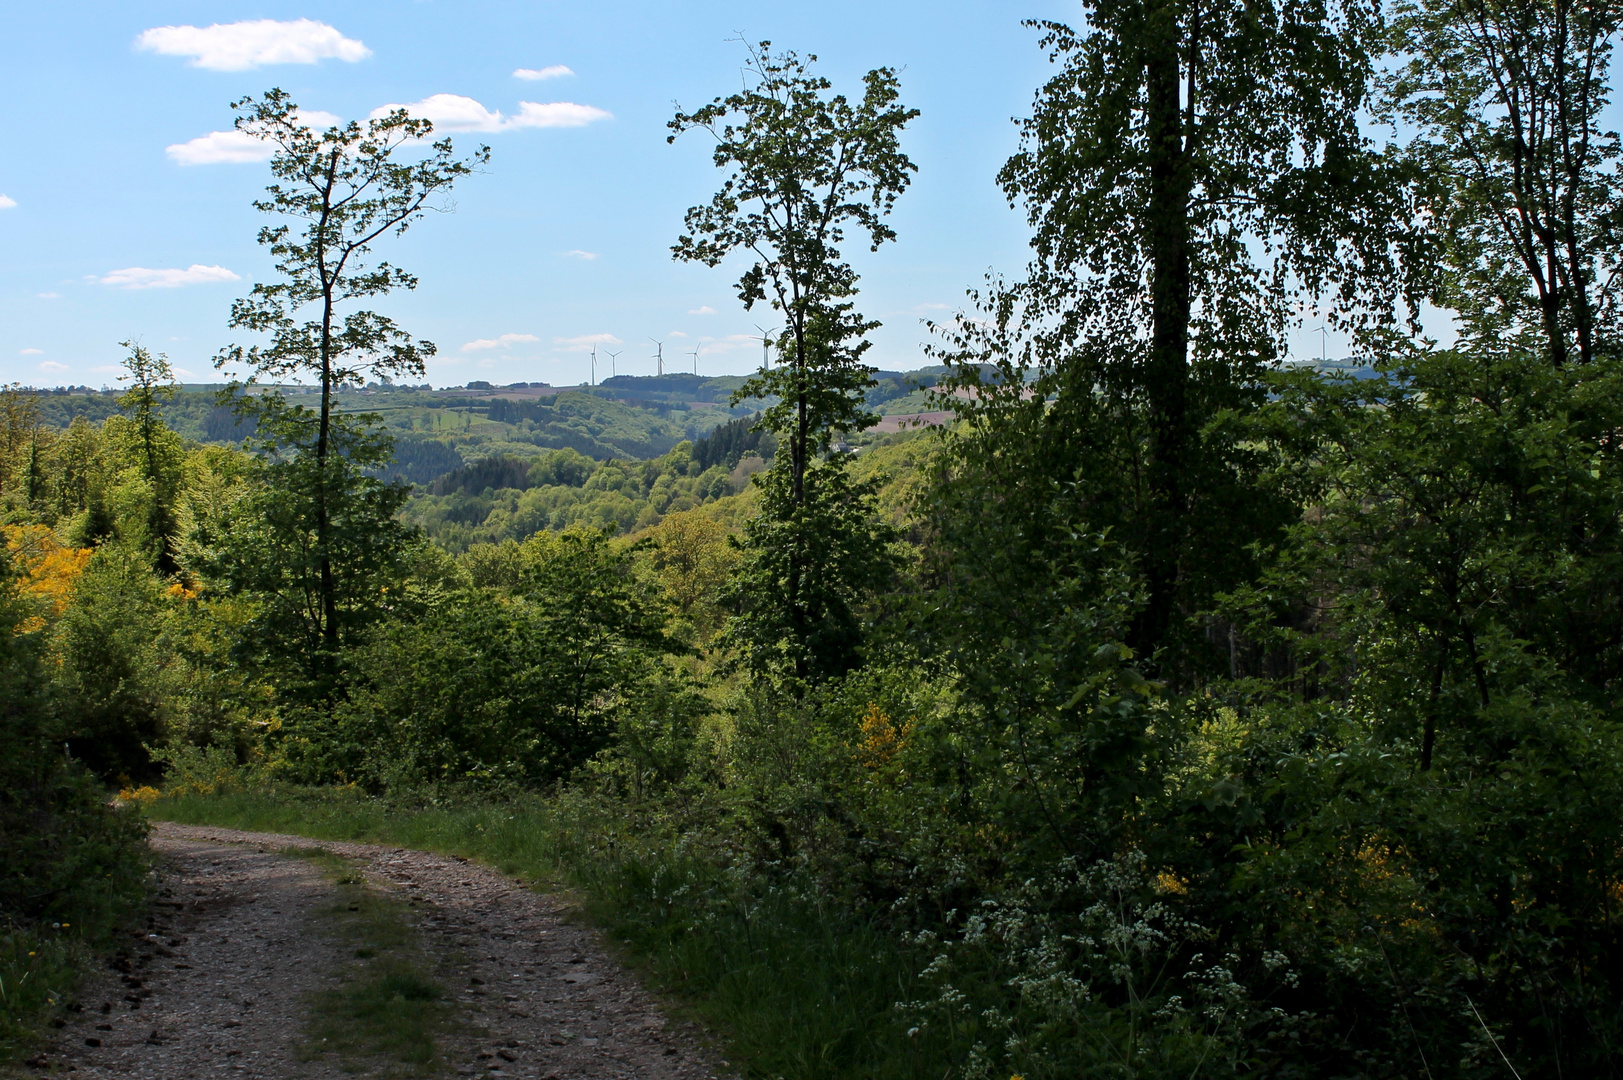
116 222
564 238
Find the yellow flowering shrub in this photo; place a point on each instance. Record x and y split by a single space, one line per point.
882 738
47 570
145 795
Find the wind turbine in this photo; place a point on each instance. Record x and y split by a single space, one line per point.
1324 342
594 364
766 343
614 369
659 354
694 352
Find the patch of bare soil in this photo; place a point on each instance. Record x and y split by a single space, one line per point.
221 982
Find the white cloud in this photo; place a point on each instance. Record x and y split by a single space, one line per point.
139 277
453 112
239 46
675 333
221 148
49 295
584 342
498 342
52 365
31 352
183 373
7 202
577 253
704 310
551 71
238 147
558 114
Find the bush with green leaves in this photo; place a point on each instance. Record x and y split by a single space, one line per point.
71 867
487 688
111 648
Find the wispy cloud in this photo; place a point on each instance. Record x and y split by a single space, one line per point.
52 365
139 277
49 295
31 352
237 147
577 253
7 202
558 114
704 310
453 112
499 342
240 46
551 71
584 342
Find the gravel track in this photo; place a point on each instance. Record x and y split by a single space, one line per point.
220 984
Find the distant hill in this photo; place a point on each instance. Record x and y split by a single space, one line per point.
626 417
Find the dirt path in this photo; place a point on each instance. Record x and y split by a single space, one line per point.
222 983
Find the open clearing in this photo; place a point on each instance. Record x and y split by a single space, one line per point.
277 956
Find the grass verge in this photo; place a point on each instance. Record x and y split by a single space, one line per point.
388 1012
73 878
800 988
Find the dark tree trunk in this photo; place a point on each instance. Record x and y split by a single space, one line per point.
1168 241
329 588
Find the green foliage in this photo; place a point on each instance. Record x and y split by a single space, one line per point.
1167 715
807 167
1173 144
501 499
157 450
1453 598
488 690
808 565
109 645
346 190
313 545
1506 103
71 868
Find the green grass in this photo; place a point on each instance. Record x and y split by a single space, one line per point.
388 1012
39 970
797 987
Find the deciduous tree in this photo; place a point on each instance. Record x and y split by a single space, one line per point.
1508 101
1194 172
344 190
807 168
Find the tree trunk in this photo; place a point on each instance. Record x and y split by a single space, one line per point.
1167 364
798 460
329 589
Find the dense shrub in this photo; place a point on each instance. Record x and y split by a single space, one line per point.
71 866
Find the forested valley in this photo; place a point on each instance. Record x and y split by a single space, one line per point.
1174 710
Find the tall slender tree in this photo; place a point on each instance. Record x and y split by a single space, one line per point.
152 383
807 168
344 189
